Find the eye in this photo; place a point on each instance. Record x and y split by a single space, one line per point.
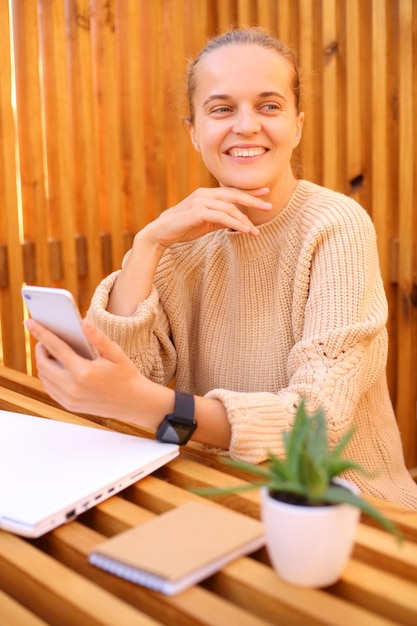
270 107
220 110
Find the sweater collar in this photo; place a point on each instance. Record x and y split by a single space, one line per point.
247 246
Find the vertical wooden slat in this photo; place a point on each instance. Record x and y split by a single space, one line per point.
286 22
11 310
29 124
82 143
330 102
29 116
246 12
309 151
226 14
379 136
354 167
199 24
407 336
266 14
366 130
60 197
174 37
130 63
381 146
155 145
106 103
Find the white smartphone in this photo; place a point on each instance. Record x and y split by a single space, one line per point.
57 310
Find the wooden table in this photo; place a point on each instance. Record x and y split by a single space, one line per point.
49 581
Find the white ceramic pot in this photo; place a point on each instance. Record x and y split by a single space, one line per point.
309 546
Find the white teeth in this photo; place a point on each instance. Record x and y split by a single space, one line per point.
246 152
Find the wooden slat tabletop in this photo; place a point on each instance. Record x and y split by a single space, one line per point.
49 580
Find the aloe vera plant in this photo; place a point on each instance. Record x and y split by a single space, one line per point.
306 475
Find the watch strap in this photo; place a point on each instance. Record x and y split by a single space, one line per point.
178 426
184 407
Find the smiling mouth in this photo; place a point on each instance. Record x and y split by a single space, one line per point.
246 152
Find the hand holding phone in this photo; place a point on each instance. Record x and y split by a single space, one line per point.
57 310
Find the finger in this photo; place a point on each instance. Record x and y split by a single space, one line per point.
56 347
244 198
61 383
42 354
51 373
220 217
257 193
224 214
260 191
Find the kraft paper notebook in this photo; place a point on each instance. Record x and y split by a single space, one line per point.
52 471
179 548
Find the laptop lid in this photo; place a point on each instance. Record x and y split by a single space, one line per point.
52 471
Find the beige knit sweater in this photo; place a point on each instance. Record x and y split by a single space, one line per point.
257 322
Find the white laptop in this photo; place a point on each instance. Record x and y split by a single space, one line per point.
52 471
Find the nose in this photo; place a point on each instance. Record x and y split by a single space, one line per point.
246 122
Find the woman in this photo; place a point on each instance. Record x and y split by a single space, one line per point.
252 294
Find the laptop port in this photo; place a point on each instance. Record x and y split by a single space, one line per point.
70 514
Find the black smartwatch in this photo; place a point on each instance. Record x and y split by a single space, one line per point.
177 427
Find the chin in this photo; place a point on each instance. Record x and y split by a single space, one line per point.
244 183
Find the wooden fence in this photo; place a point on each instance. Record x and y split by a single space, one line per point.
93 145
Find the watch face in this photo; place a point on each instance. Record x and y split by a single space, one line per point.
174 431
178 434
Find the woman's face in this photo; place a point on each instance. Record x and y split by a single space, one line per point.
246 124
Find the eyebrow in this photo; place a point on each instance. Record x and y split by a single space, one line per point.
222 96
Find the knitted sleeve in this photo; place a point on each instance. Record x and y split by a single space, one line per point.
144 336
339 313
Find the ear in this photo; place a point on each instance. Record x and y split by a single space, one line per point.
193 135
299 129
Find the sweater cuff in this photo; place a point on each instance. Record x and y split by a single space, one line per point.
257 421
121 329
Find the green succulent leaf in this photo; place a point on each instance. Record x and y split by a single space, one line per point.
316 444
315 478
342 443
279 469
251 468
340 495
336 467
295 440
